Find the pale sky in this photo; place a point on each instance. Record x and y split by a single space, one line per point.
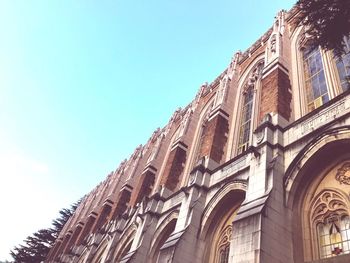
82 83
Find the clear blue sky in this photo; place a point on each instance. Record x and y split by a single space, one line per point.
82 83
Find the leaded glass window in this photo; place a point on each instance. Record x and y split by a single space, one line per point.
315 81
224 253
223 245
334 236
330 216
244 131
343 66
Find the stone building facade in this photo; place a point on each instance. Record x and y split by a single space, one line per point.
255 169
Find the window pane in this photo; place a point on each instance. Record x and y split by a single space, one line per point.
333 237
244 131
343 67
315 81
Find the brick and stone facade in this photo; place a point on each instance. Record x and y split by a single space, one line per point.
193 193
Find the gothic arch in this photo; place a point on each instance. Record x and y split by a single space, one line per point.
194 147
84 255
165 228
101 252
243 86
334 140
125 242
309 177
216 221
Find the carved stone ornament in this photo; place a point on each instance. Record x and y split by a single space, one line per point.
192 179
273 43
343 174
328 204
260 137
225 236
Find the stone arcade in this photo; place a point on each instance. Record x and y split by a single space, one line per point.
255 169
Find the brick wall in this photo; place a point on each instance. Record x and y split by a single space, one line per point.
275 94
144 186
122 201
214 137
174 167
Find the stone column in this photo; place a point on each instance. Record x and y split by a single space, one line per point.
181 246
261 228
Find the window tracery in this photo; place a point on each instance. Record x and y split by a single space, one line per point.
244 130
331 221
223 247
247 108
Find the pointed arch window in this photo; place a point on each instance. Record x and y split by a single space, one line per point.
314 76
334 236
224 245
247 107
343 66
224 253
245 127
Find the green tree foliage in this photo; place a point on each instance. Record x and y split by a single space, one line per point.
38 245
327 22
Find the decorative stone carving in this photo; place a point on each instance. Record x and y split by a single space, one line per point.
135 158
225 236
254 75
221 92
327 204
274 47
232 69
122 167
343 174
155 148
173 118
184 123
259 137
200 92
273 44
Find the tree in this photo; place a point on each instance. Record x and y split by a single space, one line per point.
327 23
38 245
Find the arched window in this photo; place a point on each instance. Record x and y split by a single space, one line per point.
161 236
343 66
246 119
317 75
314 76
223 246
125 243
250 87
218 227
224 252
325 214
